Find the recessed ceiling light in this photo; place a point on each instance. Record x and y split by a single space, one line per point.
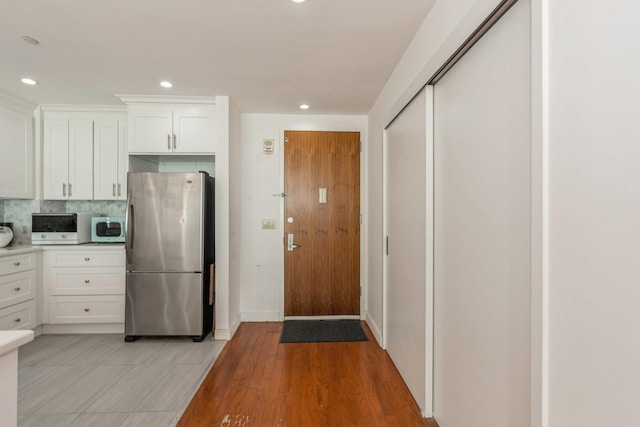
304 106
298 1
28 81
166 84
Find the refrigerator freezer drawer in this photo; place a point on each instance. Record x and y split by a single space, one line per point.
164 304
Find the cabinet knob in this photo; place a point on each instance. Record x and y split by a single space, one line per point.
17 289
86 310
87 281
17 263
17 320
87 258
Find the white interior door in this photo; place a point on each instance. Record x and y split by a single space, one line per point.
482 225
408 260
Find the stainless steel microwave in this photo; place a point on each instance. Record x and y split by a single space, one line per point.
107 229
61 228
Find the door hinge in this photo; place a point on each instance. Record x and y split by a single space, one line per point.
286 139
360 290
360 219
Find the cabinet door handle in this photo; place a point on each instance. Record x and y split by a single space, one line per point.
114 190
64 189
69 189
86 310
169 141
119 190
17 263
174 141
87 281
87 258
17 289
17 320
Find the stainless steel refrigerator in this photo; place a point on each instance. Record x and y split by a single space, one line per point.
170 251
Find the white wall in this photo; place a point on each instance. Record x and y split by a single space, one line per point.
446 26
235 174
261 257
594 217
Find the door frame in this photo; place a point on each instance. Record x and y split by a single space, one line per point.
363 209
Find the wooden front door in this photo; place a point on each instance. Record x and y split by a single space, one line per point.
322 223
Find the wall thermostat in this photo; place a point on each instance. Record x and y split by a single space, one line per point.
268 145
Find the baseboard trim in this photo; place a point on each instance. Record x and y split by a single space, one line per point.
375 330
222 334
86 328
337 317
260 316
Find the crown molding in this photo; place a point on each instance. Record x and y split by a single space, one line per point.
164 99
84 108
10 101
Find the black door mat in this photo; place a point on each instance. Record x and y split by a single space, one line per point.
300 331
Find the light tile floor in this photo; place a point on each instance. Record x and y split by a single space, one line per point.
99 380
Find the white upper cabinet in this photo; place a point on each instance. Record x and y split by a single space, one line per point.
158 126
193 128
109 159
68 159
17 158
84 154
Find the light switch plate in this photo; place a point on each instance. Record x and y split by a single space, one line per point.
268 224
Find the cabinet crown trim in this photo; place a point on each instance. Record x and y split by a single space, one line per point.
16 104
163 99
71 108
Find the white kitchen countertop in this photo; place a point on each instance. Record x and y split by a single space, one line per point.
18 249
10 340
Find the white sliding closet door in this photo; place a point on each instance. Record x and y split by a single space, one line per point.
482 189
406 201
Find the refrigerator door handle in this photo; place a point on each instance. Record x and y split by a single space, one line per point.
129 221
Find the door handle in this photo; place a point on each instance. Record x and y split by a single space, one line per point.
114 190
290 245
174 141
128 221
169 141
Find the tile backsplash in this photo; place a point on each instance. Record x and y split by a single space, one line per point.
19 212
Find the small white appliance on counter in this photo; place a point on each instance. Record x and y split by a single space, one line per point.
61 228
107 229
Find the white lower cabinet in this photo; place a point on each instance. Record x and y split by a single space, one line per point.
18 291
19 316
86 309
84 285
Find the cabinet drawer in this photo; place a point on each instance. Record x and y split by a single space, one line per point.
87 281
86 309
17 263
19 316
89 258
18 287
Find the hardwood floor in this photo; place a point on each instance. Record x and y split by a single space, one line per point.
256 381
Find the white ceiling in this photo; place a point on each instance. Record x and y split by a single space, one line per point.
270 55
